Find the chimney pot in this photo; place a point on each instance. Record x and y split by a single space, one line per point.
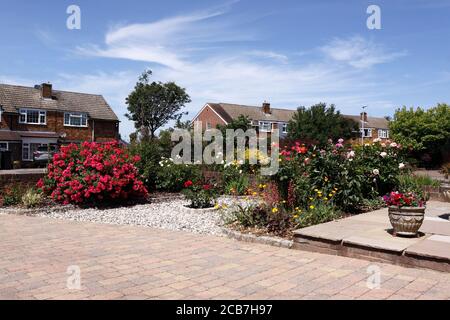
364 116
266 107
46 90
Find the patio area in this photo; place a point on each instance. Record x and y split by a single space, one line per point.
369 236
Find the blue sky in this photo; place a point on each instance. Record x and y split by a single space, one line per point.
289 53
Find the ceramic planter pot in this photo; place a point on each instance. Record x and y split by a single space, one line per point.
406 221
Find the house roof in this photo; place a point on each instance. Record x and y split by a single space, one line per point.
229 111
232 111
13 97
372 122
7 135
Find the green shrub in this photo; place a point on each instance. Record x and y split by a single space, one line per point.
32 198
316 214
199 194
150 153
12 195
237 186
171 177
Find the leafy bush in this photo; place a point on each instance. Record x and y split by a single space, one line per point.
315 214
150 154
171 177
12 195
200 195
32 198
92 173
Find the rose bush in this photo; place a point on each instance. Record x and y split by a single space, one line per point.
92 173
201 195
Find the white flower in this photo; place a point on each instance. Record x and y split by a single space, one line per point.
240 171
376 172
383 154
401 166
376 140
383 145
351 154
393 145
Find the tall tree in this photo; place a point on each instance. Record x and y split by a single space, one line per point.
153 105
426 131
320 123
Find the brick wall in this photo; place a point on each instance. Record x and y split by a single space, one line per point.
209 116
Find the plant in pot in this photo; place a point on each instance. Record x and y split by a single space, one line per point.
406 212
200 195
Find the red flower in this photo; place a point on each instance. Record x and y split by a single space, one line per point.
188 184
207 187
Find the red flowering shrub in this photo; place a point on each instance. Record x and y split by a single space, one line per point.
201 195
92 173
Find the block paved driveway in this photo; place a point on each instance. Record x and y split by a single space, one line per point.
123 262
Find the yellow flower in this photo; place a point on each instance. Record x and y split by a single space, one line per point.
326 179
319 195
330 195
311 199
274 210
255 194
217 206
326 199
311 207
316 190
296 216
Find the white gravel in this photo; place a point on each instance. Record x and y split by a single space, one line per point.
172 215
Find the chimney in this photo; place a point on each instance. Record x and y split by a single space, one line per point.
46 90
266 107
364 116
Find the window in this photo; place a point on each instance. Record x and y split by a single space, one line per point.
208 125
31 116
26 152
265 126
366 133
29 148
383 134
75 119
4 146
285 128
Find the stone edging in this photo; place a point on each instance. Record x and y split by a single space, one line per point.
247 237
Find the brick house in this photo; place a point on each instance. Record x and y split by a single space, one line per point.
268 119
40 116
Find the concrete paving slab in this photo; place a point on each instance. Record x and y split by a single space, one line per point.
431 248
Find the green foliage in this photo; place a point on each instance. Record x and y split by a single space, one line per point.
171 177
423 130
12 195
32 198
242 122
262 216
320 123
152 105
316 214
150 153
199 194
237 185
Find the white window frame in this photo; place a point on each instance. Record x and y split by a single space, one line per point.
75 115
369 133
383 133
261 126
28 146
208 126
284 128
7 145
24 112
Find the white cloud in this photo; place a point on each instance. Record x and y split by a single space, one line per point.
191 51
358 52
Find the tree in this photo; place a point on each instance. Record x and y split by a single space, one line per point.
426 131
320 123
153 105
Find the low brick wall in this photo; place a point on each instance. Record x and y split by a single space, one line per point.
439 194
26 180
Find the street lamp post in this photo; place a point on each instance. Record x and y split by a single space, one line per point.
362 125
